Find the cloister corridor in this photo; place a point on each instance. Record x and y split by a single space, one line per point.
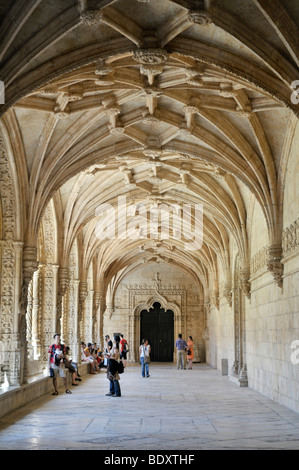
149 164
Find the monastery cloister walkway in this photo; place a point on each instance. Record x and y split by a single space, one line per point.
171 410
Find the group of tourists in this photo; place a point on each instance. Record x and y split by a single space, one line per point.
113 358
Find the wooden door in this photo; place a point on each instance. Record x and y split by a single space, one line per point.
157 325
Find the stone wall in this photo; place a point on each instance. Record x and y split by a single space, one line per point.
173 289
271 313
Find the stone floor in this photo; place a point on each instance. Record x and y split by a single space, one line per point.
171 410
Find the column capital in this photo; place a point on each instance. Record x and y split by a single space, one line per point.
18 245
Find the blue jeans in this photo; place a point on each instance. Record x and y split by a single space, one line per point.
115 388
144 367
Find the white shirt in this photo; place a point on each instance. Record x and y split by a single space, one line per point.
145 350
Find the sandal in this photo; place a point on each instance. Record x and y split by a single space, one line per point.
75 385
68 391
55 393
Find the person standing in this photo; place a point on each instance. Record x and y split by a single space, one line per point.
109 344
112 369
181 346
144 353
190 352
123 350
56 355
107 350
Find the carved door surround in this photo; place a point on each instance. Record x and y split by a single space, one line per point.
143 296
149 303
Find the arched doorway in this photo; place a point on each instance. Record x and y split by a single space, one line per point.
157 325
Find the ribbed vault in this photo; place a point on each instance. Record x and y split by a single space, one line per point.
162 102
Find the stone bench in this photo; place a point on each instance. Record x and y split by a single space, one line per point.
14 397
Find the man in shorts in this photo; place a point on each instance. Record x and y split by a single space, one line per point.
56 355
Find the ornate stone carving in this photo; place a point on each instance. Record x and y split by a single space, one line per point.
259 261
244 281
215 298
63 280
274 264
30 265
61 113
200 17
150 56
290 239
91 17
228 293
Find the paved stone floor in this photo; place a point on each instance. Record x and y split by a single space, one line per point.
171 410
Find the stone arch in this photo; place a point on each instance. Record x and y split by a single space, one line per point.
42 290
146 305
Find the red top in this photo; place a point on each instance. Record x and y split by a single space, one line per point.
52 350
122 343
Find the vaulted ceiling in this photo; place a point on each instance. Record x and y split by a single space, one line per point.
161 101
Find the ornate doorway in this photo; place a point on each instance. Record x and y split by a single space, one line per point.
157 325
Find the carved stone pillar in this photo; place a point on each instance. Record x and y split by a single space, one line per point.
29 321
90 300
30 265
96 319
83 293
35 332
238 373
63 282
55 269
75 341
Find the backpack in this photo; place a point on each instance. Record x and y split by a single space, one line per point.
54 351
121 368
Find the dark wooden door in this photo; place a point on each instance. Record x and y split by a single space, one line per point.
157 326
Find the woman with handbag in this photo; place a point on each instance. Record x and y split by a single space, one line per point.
190 352
144 352
113 368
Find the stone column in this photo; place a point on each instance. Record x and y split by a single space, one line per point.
101 318
238 373
17 339
91 319
36 330
55 268
76 348
83 293
63 282
96 319
30 265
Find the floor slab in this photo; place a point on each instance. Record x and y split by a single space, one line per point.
171 410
